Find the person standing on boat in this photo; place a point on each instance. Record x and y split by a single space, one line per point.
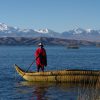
41 57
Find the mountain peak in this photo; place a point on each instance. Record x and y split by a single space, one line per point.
78 31
3 26
42 30
88 30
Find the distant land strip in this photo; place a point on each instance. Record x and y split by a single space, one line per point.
46 40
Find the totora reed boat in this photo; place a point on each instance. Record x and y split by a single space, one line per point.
61 75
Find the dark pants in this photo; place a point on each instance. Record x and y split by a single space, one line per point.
38 68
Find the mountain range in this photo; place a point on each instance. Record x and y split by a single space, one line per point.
76 34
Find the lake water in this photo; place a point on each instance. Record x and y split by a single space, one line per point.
12 87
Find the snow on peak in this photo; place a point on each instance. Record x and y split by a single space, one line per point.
42 30
88 30
24 30
3 27
78 31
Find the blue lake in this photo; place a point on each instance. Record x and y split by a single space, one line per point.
12 87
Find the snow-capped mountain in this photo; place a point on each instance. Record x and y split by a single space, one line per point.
42 30
47 32
3 27
82 34
81 31
9 31
78 33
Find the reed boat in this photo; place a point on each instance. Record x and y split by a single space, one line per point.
69 75
73 47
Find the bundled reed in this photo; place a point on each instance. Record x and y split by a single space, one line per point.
76 76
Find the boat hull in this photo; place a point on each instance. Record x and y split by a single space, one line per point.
60 76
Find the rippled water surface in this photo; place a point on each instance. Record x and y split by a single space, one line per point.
12 87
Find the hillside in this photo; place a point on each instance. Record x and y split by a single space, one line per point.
45 40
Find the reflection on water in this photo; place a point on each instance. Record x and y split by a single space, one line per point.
60 91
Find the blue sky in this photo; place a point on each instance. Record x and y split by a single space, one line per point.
58 15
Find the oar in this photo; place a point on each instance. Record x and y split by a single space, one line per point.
31 64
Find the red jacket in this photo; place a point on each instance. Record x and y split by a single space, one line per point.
41 58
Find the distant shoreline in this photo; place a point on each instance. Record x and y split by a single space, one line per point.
19 41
